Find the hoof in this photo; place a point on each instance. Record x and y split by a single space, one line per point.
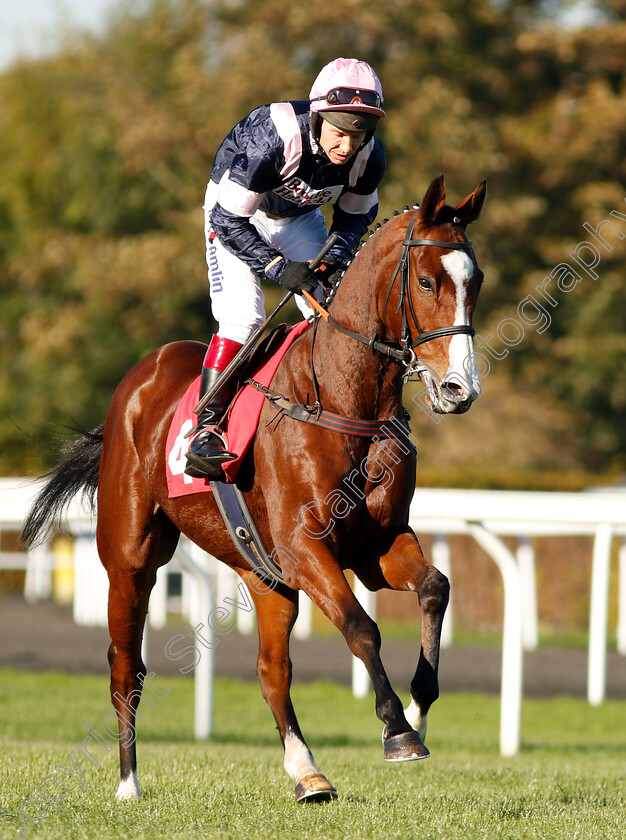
315 788
408 746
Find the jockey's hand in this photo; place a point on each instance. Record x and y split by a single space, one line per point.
298 277
330 271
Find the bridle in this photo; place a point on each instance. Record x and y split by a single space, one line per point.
404 351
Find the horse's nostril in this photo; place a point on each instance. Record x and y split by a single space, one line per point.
453 390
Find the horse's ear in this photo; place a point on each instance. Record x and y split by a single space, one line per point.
433 202
469 209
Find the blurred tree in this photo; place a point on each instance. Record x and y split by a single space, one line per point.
105 150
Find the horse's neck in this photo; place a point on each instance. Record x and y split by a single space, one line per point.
353 381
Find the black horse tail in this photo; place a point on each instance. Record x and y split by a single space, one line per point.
77 473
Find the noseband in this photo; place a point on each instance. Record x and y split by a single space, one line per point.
405 351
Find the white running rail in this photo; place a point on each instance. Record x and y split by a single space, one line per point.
485 515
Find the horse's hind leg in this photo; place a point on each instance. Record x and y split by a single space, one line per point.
276 611
132 544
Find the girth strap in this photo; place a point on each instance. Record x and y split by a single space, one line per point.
243 532
318 416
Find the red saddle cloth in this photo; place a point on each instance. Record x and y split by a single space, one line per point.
243 419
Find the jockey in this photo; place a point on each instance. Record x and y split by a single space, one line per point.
263 219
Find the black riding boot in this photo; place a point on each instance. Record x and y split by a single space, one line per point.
206 452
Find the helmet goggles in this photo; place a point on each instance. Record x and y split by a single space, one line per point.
344 96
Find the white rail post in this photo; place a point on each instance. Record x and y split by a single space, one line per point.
157 608
246 619
621 600
526 560
38 583
441 560
598 615
193 560
512 652
304 621
91 583
360 678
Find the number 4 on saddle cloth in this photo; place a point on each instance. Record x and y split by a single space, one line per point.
242 421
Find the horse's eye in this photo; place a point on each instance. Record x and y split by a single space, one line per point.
425 284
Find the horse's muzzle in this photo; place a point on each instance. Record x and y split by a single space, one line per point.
460 396
450 396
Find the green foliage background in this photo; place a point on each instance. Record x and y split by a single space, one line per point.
106 147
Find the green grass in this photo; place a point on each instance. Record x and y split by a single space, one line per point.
568 782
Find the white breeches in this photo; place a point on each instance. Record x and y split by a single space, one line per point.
237 299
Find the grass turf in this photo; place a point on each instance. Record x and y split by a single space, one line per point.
569 780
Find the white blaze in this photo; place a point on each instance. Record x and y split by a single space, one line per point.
461 360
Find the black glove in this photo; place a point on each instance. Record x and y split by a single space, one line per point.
298 277
331 269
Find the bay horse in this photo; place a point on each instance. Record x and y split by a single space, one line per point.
413 284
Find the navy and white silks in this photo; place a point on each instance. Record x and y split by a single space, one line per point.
268 182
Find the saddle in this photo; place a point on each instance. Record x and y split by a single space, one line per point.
268 345
242 416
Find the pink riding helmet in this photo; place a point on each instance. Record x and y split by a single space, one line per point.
347 84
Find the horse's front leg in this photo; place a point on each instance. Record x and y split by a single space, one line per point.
276 612
404 568
325 583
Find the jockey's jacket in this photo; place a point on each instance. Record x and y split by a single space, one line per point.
271 162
